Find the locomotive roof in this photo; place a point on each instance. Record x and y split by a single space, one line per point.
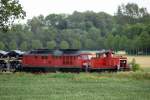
15 52
105 51
3 52
41 51
65 51
55 52
70 51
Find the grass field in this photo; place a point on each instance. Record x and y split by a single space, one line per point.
73 86
82 86
144 61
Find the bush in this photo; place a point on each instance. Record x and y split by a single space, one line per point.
134 65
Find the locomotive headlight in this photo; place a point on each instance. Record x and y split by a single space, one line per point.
123 61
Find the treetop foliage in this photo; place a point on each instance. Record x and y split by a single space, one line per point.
128 29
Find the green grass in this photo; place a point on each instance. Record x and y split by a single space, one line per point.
147 69
71 86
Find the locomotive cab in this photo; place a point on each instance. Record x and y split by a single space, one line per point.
85 60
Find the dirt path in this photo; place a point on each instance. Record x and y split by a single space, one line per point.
144 61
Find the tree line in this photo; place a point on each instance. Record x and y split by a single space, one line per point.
128 29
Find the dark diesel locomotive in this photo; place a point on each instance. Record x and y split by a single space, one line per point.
71 59
10 61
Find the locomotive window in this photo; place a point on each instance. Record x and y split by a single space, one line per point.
100 55
35 57
60 57
44 57
85 57
57 57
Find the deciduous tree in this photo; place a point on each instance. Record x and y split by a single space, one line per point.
9 11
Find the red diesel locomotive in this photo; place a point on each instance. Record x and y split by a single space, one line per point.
73 59
56 59
107 60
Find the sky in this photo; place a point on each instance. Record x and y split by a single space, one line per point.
45 7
